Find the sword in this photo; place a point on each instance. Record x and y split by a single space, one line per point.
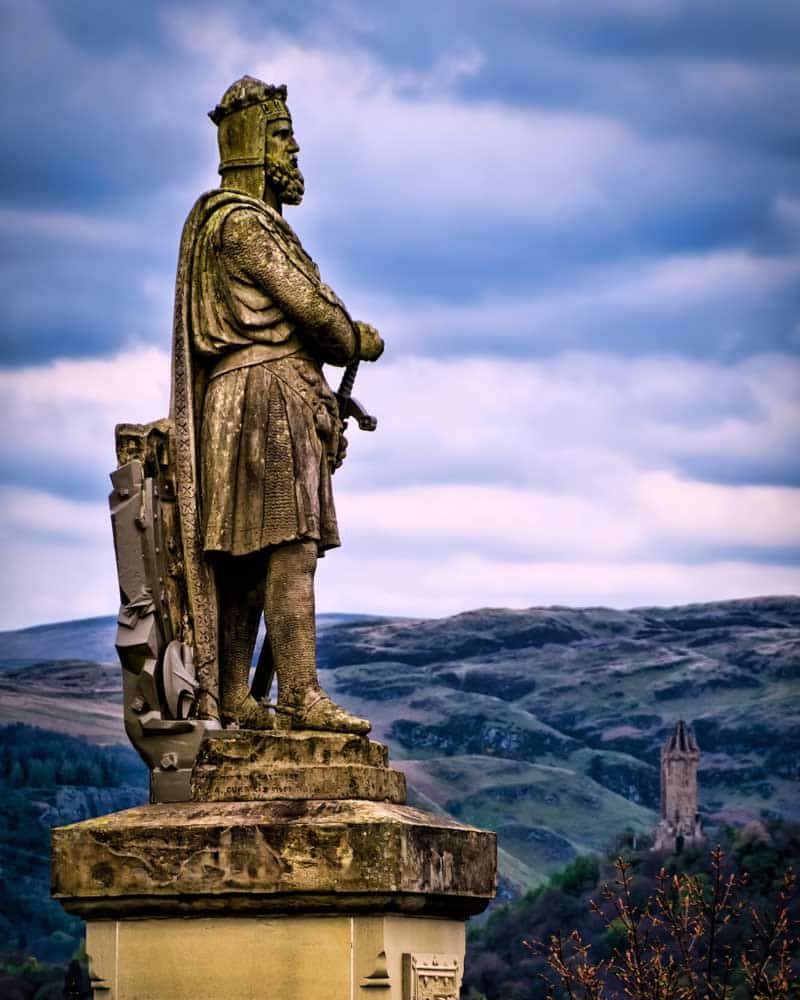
349 407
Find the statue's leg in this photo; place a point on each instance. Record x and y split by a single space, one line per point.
292 634
240 585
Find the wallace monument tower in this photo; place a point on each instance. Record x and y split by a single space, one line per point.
277 856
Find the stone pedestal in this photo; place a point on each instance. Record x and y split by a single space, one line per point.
294 957
297 873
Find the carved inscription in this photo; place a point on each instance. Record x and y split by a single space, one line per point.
431 977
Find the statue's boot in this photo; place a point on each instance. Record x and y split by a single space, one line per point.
291 629
248 714
315 710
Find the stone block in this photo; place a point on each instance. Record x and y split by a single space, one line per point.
273 857
247 747
332 957
245 765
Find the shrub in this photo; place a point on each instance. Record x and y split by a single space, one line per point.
679 943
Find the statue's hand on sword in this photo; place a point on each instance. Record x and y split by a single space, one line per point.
370 342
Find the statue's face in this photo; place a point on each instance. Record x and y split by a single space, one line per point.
282 171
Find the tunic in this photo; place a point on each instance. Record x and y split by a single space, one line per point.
262 324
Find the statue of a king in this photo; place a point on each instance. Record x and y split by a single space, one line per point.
257 432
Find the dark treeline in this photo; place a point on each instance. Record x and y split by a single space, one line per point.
47 778
38 758
499 966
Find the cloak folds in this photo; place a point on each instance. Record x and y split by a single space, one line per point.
186 408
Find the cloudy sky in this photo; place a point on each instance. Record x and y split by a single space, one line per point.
576 223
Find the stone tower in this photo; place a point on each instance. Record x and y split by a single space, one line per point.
680 821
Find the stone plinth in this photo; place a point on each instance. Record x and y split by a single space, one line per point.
236 765
280 856
280 894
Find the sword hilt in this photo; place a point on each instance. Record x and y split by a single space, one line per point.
349 407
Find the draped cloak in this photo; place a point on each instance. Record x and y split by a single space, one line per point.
254 424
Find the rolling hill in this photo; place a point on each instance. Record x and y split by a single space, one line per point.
544 724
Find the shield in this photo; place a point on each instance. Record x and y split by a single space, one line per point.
159 686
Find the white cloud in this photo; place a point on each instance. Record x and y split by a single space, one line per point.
727 82
702 514
585 423
467 517
56 581
59 564
63 413
662 511
699 277
394 584
578 422
428 151
45 516
786 211
58 559
73 227
487 482
573 421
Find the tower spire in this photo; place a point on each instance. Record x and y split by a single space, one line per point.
680 825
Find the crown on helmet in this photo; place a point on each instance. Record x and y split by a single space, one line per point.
241 118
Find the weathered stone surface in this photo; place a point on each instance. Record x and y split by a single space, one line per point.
319 781
248 746
249 765
281 856
680 824
247 956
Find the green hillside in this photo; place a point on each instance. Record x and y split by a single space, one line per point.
544 724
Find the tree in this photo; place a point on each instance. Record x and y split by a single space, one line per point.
678 943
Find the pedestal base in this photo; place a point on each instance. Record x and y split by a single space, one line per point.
272 857
288 958
266 887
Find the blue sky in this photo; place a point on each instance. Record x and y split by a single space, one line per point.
576 223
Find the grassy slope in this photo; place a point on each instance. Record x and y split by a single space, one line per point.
544 724
573 707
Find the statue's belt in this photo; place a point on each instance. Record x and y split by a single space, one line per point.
256 354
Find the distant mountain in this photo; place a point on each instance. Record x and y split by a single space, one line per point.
93 639
544 724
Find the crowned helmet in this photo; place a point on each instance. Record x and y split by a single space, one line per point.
241 118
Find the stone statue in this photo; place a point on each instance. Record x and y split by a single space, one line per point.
231 497
272 831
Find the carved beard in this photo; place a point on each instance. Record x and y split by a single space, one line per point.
285 179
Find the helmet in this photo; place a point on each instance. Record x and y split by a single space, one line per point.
241 118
